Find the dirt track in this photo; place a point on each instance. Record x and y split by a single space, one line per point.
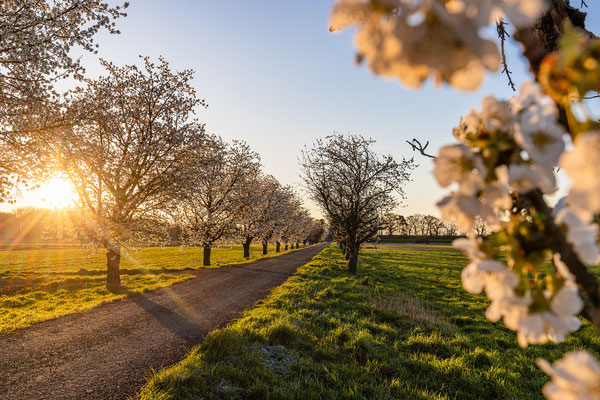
108 352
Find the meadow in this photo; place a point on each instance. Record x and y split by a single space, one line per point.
39 283
402 328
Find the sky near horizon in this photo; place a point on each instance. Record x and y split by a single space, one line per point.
274 76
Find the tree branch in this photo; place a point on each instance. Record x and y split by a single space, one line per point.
417 146
502 34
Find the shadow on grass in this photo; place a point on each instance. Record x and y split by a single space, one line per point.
53 282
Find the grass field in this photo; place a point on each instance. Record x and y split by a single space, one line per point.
45 283
402 328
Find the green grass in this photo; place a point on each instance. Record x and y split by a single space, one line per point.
41 284
402 328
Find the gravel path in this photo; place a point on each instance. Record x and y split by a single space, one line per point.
108 352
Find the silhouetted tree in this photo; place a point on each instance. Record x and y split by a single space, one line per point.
354 187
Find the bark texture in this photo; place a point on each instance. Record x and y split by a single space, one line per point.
353 260
246 246
206 255
113 275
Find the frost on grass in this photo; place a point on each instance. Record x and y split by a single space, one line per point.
274 357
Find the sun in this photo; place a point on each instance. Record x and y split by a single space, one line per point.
57 192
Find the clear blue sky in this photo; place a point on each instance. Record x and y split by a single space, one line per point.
274 75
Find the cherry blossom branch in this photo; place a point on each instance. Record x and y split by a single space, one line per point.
558 244
538 42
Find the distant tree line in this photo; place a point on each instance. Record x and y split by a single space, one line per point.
424 225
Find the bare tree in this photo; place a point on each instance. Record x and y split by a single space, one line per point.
451 229
416 225
402 225
208 199
433 225
354 187
122 153
480 228
389 223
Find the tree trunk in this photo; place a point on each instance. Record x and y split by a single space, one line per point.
353 260
206 253
286 247
113 275
246 245
297 244
292 246
265 244
304 243
277 247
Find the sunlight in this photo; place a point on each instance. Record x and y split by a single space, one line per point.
55 193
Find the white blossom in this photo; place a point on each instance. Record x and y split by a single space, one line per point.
524 178
470 124
582 164
460 208
495 201
496 115
536 129
574 377
511 309
456 163
553 325
540 135
562 268
583 236
470 246
529 94
491 275
520 13
391 41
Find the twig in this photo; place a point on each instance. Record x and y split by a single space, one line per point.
417 146
502 34
583 3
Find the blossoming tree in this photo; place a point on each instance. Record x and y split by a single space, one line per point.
354 187
36 38
208 198
259 203
506 157
128 140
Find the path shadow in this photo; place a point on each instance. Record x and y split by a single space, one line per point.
176 322
259 270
